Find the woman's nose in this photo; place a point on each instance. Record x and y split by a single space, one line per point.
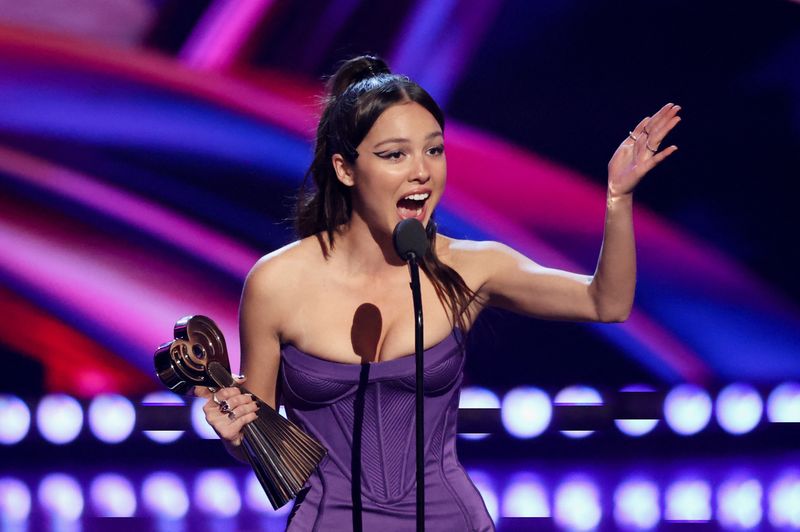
421 173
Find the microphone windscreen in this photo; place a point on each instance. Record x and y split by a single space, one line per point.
409 237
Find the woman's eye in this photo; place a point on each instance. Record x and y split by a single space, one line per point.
436 150
390 155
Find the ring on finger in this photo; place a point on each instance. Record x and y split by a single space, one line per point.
654 151
224 407
632 136
214 397
232 415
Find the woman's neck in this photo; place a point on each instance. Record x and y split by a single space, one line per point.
363 250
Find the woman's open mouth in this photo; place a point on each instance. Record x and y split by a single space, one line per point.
413 206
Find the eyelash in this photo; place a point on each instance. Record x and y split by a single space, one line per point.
395 155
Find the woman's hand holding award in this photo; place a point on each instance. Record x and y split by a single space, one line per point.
281 454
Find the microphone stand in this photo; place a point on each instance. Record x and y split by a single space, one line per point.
413 269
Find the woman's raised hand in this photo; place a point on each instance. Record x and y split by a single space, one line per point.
228 410
639 153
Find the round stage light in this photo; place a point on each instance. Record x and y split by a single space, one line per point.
783 404
257 500
784 501
163 398
199 423
60 495
485 486
636 505
164 495
739 408
739 503
111 418
215 492
635 427
578 395
59 418
526 412
15 419
112 495
687 409
525 496
688 500
477 397
577 504
15 501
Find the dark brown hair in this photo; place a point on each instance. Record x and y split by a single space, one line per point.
358 92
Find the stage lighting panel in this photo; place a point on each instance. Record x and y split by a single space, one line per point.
739 503
112 495
525 496
477 397
164 495
15 501
739 408
526 412
578 395
215 493
61 497
15 419
636 504
59 418
111 418
688 500
687 409
783 404
577 504
169 398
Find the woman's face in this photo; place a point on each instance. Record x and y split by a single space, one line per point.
400 170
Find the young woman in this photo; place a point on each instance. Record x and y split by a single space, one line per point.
326 323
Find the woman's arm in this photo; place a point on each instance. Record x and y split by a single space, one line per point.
260 358
514 282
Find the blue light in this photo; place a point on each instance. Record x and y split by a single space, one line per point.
485 486
160 398
578 395
526 412
15 419
687 409
477 397
111 418
525 496
577 504
164 495
636 505
15 501
199 423
215 492
783 404
60 495
635 427
257 501
688 500
739 408
112 495
739 503
784 501
59 418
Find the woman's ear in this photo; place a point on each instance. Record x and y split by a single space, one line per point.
343 169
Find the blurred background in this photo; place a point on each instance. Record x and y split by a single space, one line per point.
150 151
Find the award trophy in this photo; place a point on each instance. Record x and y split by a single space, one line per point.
280 453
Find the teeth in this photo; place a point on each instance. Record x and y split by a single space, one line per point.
418 197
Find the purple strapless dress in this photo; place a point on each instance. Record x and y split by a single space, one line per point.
364 415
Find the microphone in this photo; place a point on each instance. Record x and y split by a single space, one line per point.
410 239
411 243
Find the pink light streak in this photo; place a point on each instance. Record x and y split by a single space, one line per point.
222 32
141 214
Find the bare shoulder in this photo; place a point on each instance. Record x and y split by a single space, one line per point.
278 269
474 260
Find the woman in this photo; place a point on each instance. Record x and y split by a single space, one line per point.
326 323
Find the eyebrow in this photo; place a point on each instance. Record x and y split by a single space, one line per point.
401 140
